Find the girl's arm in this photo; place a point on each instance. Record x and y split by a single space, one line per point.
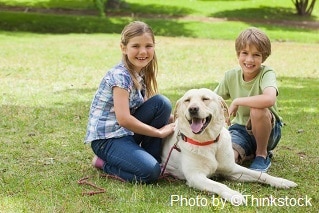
126 120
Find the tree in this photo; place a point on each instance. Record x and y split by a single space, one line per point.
103 5
302 7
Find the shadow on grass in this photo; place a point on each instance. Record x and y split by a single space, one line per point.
261 13
157 10
270 17
40 19
162 19
88 8
63 24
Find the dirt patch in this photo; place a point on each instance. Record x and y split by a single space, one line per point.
56 11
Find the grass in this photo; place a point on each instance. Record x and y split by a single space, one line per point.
257 9
200 19
47 82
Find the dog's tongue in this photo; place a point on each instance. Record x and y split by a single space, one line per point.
196 125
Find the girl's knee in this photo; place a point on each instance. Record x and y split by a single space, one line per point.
151 174
164 101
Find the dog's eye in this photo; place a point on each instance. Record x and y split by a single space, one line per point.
205 99
187 100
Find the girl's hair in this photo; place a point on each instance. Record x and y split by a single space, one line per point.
254 36
137 28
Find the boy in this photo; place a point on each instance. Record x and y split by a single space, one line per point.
256 127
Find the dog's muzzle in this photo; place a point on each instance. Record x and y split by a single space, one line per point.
198 125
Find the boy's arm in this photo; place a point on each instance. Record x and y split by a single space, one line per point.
265 100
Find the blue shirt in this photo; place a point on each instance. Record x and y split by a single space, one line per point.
102 122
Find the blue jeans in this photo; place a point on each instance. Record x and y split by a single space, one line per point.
136 157
245 143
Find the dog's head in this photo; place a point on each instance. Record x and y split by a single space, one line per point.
201 113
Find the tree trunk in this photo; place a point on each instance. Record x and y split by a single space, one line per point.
113 4
302 7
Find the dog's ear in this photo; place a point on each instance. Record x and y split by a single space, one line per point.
176 109
225 110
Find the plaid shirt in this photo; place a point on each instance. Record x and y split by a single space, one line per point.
102 122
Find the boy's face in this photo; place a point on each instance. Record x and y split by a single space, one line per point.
250 60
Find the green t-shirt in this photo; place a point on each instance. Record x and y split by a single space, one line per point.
233 86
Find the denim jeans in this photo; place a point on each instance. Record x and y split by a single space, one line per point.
137 157
245 144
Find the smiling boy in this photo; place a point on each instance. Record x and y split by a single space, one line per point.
256 126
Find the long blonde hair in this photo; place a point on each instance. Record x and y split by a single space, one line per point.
137 28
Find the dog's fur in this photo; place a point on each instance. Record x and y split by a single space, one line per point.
200 116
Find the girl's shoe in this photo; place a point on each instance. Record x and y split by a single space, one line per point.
97 162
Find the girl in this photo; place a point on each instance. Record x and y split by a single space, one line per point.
128 119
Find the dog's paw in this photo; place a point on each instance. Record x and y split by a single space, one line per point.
284 183
288 184
234 197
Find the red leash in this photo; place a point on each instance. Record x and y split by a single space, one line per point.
99 190
84 181
169 154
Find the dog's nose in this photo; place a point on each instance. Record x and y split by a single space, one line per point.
193 110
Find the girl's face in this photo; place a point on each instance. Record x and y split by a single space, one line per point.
250 60
139 50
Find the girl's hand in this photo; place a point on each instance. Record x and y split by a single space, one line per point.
126 120
167 130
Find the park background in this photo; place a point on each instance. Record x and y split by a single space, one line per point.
53 55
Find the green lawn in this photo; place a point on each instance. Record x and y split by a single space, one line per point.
257 9
47 82
197 19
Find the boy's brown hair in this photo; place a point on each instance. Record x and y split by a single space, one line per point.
256 37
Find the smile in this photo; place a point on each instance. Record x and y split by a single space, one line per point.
249 65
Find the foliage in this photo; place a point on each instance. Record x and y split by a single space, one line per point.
201 19
100 5
107 5
257 9
193 27
303 8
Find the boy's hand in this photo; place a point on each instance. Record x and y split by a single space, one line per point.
232 109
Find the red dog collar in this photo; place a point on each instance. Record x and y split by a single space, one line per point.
191 141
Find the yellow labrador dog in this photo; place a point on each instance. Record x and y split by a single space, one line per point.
205 148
